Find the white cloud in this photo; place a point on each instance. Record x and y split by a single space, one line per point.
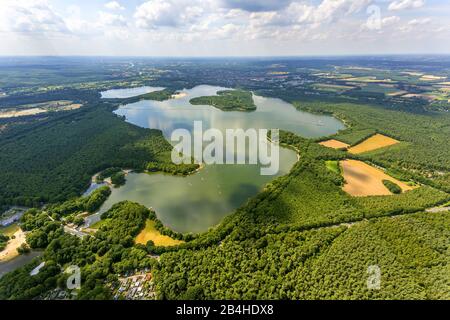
405 4
114 5
107 19
422 21
168 13
330 10
303 13
25 16
239 23
256 5
156 13
389 21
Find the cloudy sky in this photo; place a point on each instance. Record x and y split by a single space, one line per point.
223 27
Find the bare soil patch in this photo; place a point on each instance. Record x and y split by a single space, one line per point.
335 144
10 251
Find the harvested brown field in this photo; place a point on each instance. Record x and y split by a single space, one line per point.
374 142
37 108
363 180
21 113
335 144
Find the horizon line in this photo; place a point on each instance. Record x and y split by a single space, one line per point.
222 57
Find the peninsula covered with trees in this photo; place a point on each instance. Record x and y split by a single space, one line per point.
228 100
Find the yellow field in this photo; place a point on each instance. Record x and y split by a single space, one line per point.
430 77
368 80
363 180
21 113
335 144
397 93
150 233
376 141
37 108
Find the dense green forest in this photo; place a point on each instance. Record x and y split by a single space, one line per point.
118 179
228 100
393 187
326 263
90 204
55 162
3 241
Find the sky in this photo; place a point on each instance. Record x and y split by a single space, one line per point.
223 27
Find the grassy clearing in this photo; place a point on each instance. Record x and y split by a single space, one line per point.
150 233
332 87
98 224
379 88
333 165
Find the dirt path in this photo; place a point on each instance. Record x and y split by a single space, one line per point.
438 209
10 251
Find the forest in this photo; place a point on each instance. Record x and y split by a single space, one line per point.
326 263
3 241
228 100
55 162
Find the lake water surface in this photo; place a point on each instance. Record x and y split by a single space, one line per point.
128 93
18 262
200 201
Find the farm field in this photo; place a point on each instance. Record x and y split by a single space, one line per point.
150 233
332 87
365 180
335 144
376 141
37 108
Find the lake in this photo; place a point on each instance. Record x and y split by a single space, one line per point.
128 92
18 262
200 201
